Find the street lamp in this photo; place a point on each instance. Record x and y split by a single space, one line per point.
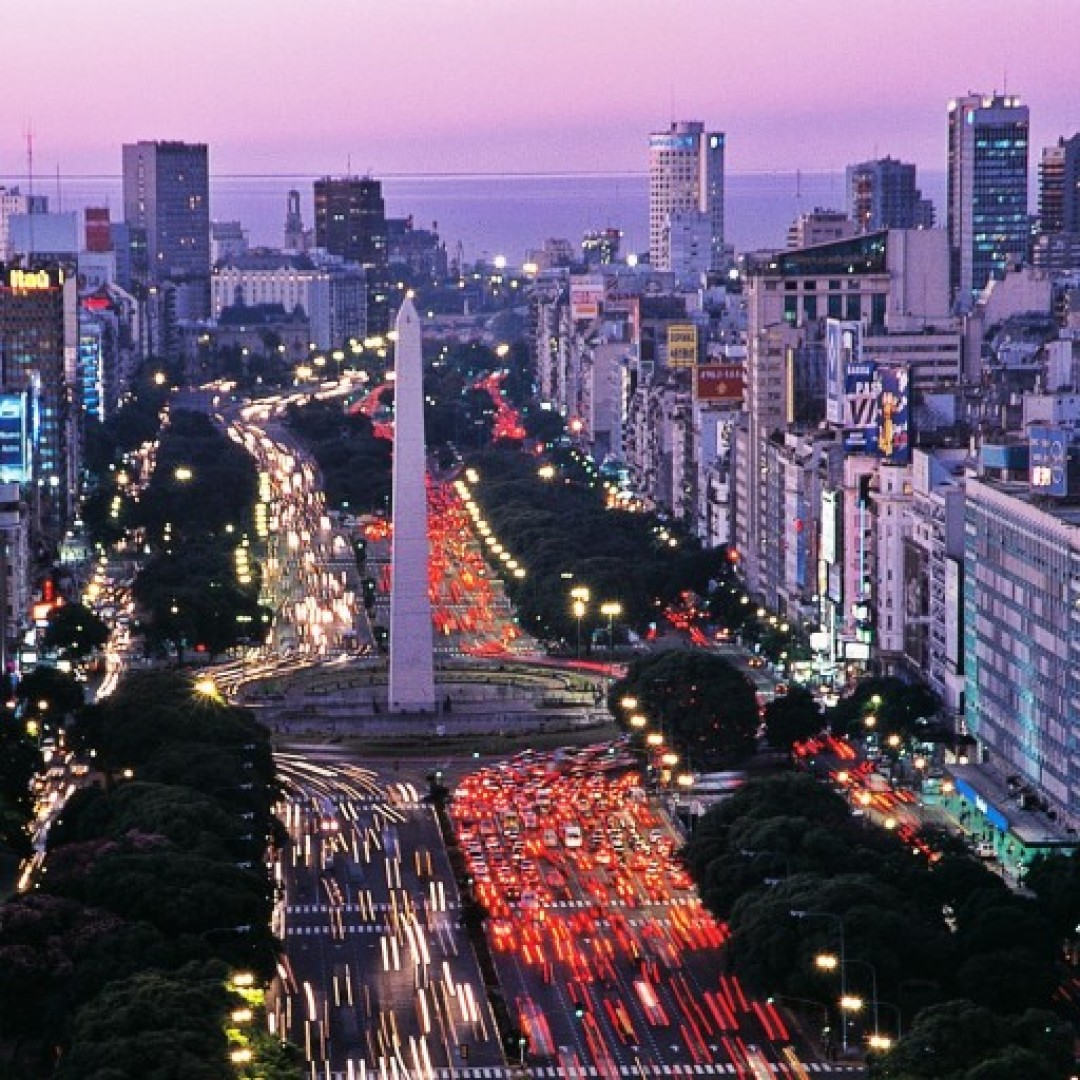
828 962
580 595
611 608
802 914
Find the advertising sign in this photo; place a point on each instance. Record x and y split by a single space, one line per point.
893 415
719 382
14 458
1049 461
682 345
843 347
860 407
586 295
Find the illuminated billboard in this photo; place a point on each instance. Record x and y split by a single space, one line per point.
1049 459
682 345
893 415
860 407
719 382
14 455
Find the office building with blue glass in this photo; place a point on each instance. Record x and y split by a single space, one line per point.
988 220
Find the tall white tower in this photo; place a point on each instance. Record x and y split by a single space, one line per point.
412 664
686 198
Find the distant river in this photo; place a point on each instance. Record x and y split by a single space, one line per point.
505 215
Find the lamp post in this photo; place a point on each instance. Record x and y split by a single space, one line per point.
827 962
802 914
611 608
580 595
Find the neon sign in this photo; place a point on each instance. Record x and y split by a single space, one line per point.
33 280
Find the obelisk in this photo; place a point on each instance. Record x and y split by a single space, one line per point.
412 664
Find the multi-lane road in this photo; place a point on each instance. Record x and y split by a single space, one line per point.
605 962
379 980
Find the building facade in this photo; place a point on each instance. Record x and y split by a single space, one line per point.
686 178
883 194
1022 638
167 206
987 190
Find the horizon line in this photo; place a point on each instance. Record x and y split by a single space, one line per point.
569 174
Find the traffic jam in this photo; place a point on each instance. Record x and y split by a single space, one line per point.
606 956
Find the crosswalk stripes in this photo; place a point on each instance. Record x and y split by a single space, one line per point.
590 1072
558 905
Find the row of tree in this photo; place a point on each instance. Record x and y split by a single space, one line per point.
155 890
970 967
561 530
196 509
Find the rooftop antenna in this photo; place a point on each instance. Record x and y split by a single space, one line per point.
59 195
28 134
348 165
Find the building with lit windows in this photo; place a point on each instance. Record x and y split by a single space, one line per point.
1022 638
167 208
1059 187
38 361
686 199
883 194
350 222
987 190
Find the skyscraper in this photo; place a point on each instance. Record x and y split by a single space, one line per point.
167 206
987 190
350 222
350 219
686 197
882 194
1059 187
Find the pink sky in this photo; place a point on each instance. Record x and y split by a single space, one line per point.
422 86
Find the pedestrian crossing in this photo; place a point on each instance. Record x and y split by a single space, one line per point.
590 1072
556 905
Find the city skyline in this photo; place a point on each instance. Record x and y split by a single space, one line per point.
482 86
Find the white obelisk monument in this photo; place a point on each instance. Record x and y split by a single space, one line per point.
412 664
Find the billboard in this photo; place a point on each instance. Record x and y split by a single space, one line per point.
14 455
719 382
586 295
843 347
682 345
859 414
1049 459
893 406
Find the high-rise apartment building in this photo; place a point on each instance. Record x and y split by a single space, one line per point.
350 222
987 190
350 219
1059 187
883 194
167 207
686 196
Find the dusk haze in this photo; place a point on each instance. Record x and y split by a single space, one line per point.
429 86
540 540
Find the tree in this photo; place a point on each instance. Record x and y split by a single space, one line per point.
74 631
958 1040
706 705
792 717
50 693
155 1026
